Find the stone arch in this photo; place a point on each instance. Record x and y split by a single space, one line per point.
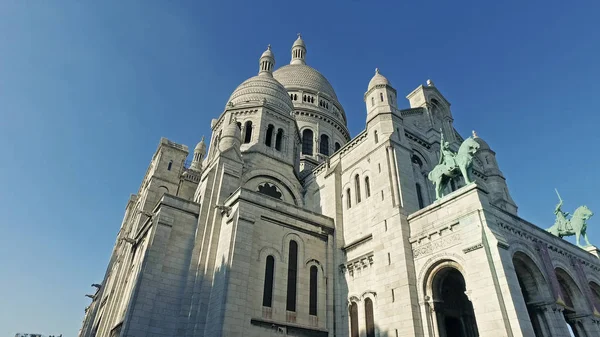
446 293
286 244
266 251
282 182
573 300
314 262
571 292
595 290
535 289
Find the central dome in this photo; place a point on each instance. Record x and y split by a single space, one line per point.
301 76
262 88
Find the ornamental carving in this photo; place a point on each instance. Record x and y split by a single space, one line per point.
270 190
437 245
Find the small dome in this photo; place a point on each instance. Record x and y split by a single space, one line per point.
378 79
201 146
483 145
299 42
231 136
301 76
268 53
261 89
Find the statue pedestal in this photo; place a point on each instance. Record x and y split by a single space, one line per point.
593 250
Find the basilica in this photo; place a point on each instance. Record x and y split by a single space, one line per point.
286 225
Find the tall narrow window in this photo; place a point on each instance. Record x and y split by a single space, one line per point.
367 187
348 198
312 301
307 142
357 187
324 145
269 138
337 146
268 288
170 165
354 320
420 196
372 101
292 276
248 132
381 96
376 136
370 321
279 140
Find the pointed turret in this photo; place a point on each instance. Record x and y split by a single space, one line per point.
380 96
267 62
298 51
199 153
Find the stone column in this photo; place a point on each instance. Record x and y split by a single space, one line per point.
556 320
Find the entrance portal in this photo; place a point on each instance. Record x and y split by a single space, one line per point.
454 312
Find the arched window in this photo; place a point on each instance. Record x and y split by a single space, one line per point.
170 165
248 132
376 136
337 146
357 187
348 198
279 140
269 138
307 142
324 145
268 287
367 187
372 101
416 160
369 319
391 99
419 196
381 96
354 320
312 301
292 276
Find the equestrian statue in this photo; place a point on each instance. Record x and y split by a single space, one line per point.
451 164
575 226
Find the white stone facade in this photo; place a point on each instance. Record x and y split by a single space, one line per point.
287 226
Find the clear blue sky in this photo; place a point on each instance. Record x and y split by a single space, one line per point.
87 88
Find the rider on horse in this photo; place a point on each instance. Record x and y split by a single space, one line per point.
561 218
447 155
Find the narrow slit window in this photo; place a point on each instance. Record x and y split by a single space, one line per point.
268 286
357 187
312 302
279 140
248 132
292 276
367 187
269 138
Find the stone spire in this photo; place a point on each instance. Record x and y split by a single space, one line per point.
199 153
267 62
298 51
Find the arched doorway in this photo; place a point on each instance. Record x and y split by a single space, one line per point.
574 302
534 289
454 313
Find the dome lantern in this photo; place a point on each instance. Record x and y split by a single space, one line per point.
298 51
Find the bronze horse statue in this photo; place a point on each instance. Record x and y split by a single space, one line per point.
577 225
462 165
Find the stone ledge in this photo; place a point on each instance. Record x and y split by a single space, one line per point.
290 327
446 199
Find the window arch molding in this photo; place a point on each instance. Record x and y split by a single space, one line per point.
313 262
274 177
266 251
286 246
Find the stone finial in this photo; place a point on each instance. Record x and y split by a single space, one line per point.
474 134
430 83
376 70
299 35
